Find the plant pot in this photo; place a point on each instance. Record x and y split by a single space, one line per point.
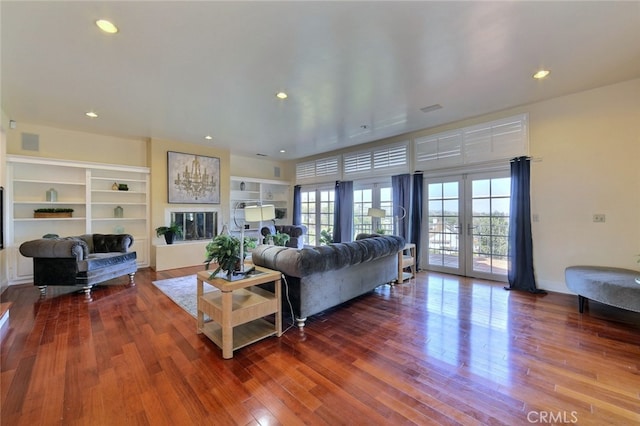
169 236
52 214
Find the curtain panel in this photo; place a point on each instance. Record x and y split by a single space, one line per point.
521 275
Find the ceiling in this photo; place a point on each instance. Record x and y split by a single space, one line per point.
354 71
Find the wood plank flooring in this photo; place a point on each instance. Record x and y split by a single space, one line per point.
438 349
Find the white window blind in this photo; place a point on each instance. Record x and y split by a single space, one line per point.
357 162
444 149
496 140
317 170
395 156
384 159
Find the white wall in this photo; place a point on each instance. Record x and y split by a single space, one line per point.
589 144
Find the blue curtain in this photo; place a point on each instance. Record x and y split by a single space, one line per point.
521 275
297 205
415 218
401 186
343 212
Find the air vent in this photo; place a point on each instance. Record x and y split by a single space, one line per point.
261 155
30 142
430 108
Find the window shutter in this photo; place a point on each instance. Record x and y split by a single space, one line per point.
442 150
496 140
305 170
390 157
357 162
312 171
327 167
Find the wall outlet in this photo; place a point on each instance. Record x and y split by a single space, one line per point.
598 218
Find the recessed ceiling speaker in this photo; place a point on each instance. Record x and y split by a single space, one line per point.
30 142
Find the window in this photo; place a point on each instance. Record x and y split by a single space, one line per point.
196 225
376 195
317 214
362 202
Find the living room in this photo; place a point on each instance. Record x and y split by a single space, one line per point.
449 349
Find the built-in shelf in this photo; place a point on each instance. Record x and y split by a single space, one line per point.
84 187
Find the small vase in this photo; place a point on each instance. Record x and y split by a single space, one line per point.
118 212
242 186
52 195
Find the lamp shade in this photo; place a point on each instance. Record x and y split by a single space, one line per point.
376 212
259 213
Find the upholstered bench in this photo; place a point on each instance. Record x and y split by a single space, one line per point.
612 286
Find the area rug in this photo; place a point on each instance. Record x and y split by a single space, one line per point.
182 290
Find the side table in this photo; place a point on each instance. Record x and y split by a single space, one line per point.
407 260
236 311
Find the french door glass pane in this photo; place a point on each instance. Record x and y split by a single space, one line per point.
443 218
490 225
362 202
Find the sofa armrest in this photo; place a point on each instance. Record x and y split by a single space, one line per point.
55 248
107 243
294 231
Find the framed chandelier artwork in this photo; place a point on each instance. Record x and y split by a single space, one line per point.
193 179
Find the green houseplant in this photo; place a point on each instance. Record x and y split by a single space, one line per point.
280 239
53 212
224 250
169 232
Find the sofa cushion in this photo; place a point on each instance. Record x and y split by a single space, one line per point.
105 260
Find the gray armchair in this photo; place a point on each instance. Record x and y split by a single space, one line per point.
295 232
82 261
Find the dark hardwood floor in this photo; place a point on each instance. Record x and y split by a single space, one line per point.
439 349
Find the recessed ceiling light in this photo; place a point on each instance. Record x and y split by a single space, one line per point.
91 114
106 26
282 151
208 137
541 74
281 95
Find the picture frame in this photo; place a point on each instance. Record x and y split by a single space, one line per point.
193 178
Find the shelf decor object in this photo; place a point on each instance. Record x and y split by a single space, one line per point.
52 195
52 213
118 212
193 179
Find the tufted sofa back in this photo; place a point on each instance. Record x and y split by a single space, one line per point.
310 260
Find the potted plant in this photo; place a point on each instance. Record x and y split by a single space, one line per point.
49 212
169 232
280 239
224 250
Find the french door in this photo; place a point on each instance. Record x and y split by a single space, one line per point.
467 223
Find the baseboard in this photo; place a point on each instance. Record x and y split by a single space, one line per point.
555 286
4 318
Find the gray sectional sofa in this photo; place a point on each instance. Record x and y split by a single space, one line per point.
83 261
322 277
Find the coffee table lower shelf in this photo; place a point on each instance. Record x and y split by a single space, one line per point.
243 334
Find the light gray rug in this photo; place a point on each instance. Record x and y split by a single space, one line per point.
182 290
